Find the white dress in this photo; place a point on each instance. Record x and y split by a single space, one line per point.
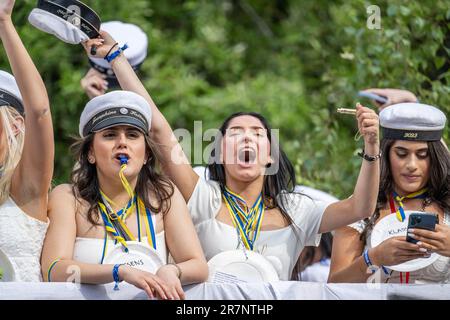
89 250
437 272
286 243
21 240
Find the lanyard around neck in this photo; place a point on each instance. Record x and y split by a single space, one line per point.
400 213
247 222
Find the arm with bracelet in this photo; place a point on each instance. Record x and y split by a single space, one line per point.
351 262
181 238
57 260
363 201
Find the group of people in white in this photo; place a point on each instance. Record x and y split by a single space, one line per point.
127 187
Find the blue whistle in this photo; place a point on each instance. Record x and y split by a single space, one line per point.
123 159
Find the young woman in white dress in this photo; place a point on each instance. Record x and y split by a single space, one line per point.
282 222
117 196
415 176
26 155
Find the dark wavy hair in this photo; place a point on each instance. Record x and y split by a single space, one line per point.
438 183
85 185
274 184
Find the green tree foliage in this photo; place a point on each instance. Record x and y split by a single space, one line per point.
293 61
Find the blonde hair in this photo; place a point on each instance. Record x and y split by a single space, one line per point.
13 152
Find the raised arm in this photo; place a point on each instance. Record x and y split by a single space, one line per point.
184 246
174 162
32 177
363 201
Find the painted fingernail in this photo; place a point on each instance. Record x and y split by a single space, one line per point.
422 250
419 243
411 235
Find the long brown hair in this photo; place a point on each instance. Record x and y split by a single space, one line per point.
85 185
438 183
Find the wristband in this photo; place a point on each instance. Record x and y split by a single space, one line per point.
50 268
106 55
369 264
115 274
115 54
178 268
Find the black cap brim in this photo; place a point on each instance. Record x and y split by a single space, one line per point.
12 102
120 120
412 135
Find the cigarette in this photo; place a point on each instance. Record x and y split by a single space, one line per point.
346 111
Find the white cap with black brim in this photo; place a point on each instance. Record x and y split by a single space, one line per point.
412 121
123 33
10 93
69 20
113 109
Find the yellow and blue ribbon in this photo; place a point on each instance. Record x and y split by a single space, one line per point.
248 221
149 228
115 221
400 213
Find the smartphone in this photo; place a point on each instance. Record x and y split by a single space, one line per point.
419 220
372 96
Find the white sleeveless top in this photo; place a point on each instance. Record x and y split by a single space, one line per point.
90 250
286 243
437 272
21 239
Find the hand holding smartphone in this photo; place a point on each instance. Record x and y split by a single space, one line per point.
418 220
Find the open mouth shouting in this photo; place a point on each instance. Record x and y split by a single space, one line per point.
246 156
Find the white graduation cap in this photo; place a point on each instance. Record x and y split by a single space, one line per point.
123 33
10 93
69 20
412 121
115 108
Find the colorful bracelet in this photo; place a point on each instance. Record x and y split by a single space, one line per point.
50 268
115 54
111 49
115 274
370 265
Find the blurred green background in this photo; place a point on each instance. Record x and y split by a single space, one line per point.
293 61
